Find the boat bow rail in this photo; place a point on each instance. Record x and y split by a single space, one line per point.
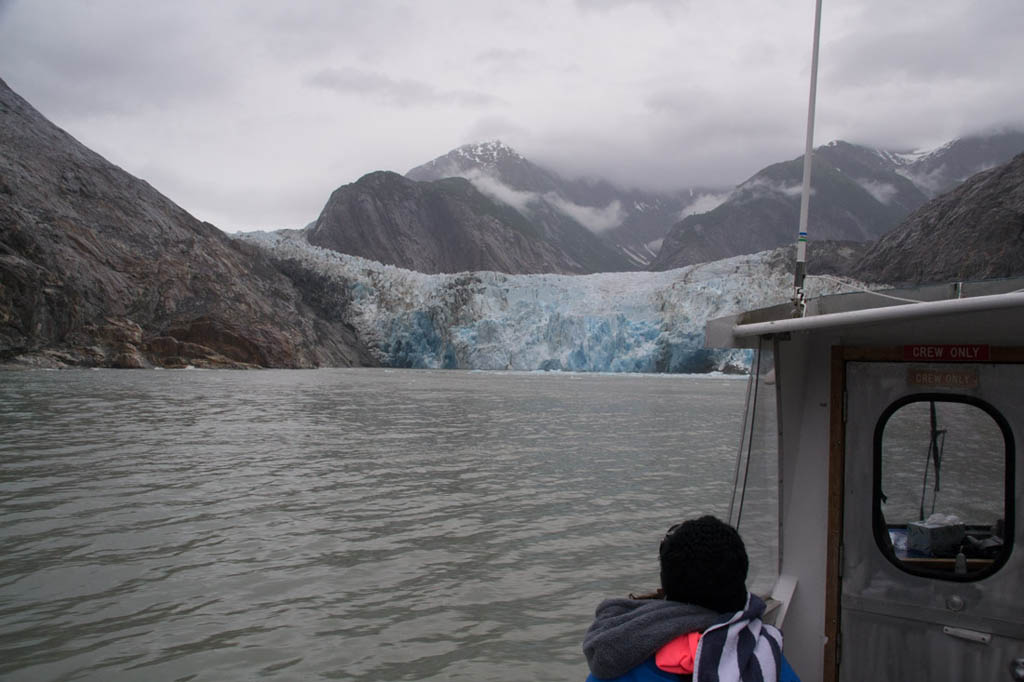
864 309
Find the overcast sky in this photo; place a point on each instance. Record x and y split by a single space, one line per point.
249 113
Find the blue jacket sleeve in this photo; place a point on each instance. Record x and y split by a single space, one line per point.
649 672
786 673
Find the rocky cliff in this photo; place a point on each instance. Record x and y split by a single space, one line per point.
974 232
99 269
624 227
443 226
764 212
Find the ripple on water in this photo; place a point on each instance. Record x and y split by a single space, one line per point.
338 524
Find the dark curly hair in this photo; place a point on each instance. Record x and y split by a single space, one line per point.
703 562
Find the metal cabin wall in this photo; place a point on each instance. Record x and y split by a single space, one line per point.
898 616
802 373
805 370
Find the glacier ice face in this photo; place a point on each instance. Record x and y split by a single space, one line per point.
607 322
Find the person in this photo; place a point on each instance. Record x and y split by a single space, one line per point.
701 625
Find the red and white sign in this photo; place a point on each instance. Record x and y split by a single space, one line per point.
941 378
946 353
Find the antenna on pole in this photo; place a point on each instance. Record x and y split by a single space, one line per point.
799 303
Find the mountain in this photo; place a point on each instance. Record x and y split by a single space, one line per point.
97 268
859 194
937 171
631 223
443 226
975 231
494 159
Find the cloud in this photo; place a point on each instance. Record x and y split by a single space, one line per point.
403 92
97 58
593 218
920 78
665 6
913 46
496 128
931 182
240 93
505 63
704 203
759 187
238 204
883 192
490 186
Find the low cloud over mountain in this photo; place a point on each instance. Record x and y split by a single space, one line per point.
857 193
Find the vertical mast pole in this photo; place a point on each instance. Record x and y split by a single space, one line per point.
805 194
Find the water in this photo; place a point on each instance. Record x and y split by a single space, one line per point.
339 524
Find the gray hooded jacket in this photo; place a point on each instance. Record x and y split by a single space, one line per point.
626 632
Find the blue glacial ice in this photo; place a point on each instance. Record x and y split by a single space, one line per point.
607 322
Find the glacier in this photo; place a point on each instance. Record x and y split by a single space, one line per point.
606 322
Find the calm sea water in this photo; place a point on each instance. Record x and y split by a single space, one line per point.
339 524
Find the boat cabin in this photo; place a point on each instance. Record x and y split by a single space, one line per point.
881 458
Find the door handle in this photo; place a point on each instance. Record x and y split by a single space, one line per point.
970 635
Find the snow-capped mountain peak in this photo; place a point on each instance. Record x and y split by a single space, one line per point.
487 157
487 153
914 156
493 158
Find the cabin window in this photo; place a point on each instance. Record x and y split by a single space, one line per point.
943 502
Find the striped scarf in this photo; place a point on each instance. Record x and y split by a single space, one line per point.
742 648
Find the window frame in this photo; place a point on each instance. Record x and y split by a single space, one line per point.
879 527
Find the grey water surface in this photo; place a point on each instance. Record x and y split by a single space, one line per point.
339 524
